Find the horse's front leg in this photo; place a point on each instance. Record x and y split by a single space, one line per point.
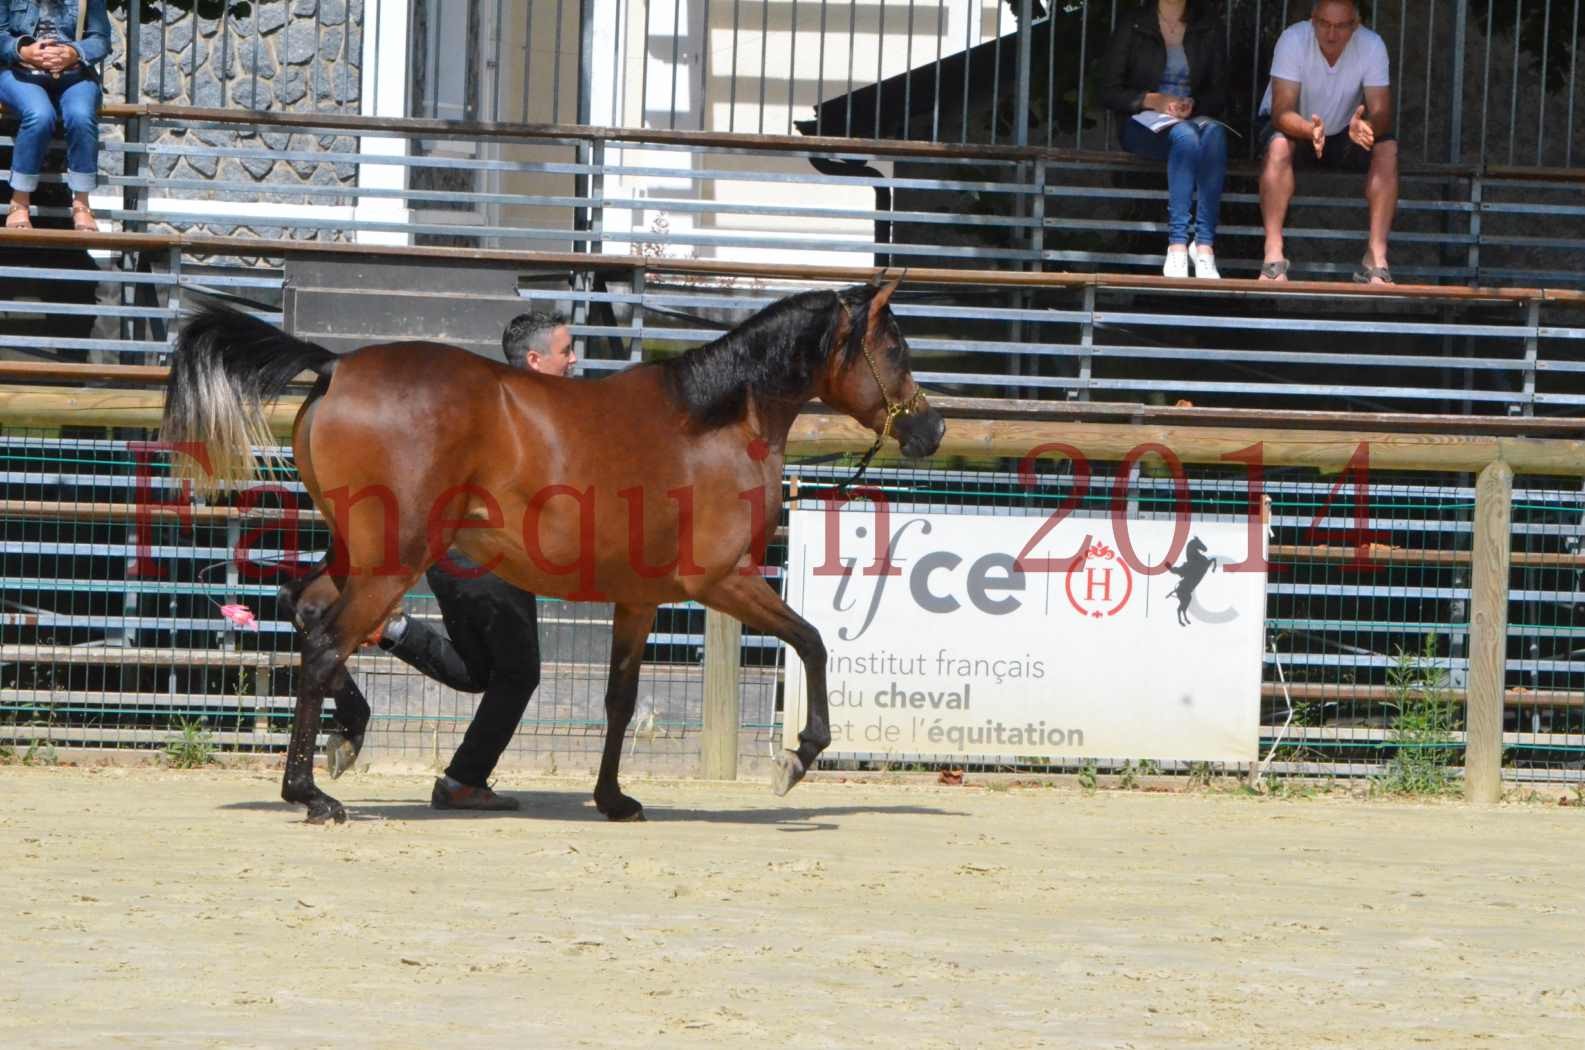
751 600
630 630
344 744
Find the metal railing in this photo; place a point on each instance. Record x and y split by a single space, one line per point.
972 332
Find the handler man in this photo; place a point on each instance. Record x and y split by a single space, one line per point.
491 644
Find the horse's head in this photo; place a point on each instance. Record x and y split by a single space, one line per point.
867 373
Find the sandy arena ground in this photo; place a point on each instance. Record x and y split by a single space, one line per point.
172 909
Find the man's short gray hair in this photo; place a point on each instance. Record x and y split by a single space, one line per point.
530 331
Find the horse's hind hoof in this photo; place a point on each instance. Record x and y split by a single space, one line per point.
327 809
341 753
789 770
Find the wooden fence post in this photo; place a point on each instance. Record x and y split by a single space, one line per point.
723 703
1488 633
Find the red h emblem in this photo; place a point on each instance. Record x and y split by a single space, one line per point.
1101 584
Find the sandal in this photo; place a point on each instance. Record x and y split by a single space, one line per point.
83 219
1367 274
17 217
1274 271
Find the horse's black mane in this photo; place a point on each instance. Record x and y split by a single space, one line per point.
775 355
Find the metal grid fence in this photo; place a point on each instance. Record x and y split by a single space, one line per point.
113 636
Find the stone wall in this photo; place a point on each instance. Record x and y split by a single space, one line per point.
282 56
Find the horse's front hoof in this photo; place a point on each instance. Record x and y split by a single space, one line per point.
341 753
789 770
624 810
326 809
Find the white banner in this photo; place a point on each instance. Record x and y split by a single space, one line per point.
975 635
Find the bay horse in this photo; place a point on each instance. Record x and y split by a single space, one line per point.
659 483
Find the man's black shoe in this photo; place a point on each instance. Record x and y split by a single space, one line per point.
445 796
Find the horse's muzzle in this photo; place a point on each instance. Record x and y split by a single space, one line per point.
919 433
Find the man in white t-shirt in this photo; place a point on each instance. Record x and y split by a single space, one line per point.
1329 105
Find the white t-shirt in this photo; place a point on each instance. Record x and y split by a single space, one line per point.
1330 92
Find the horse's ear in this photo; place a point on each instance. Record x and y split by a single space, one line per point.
877 307
883 295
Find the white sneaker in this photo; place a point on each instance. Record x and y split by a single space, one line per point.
1205 266
1177 265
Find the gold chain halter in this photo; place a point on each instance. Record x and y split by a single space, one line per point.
895 410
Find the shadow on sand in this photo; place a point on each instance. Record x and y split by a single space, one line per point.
566 806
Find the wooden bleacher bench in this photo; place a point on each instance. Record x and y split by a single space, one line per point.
424 127
801 144
208 244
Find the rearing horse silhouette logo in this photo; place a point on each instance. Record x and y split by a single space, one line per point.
1190 573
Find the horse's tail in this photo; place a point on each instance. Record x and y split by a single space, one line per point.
226 367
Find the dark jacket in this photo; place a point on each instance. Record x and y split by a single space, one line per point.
1137 56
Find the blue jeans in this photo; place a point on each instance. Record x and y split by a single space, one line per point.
39 103
1196 163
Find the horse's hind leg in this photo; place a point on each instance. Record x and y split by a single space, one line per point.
629 632
305 602
751 600
328 643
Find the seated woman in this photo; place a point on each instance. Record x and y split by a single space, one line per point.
48 50
1166 73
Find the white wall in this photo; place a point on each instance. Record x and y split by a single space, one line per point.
385 82
633 89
